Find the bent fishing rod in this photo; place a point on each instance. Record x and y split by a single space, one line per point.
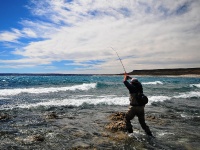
120 60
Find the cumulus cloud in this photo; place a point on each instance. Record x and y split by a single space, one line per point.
146 34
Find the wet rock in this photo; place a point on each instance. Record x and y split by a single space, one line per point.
156 120
119 136
118 116
116 126
104 134
82 134
80 145
71 117
38 137
117 122
4 116
96 134
30 139
51 115
151 118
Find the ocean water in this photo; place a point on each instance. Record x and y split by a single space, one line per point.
173 95
34 91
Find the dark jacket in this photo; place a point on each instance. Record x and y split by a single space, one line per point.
134 88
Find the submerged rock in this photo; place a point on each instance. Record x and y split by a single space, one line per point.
37 137
80 145
51 115
4 116
30 139
156 120
116 126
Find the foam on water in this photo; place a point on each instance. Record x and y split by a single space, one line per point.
188 95
77 102
192 94
152 83
195 85
83 87
186 116
165 133
158 99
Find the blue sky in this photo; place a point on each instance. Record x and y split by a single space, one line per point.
76 36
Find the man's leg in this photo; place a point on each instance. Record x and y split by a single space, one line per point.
143 124
128 117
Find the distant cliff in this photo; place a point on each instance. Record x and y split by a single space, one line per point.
178 71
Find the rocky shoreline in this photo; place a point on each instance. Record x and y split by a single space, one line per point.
86 128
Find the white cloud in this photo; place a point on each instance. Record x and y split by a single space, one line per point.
156 34
10 36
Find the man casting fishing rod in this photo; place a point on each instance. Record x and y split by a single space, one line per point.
135 109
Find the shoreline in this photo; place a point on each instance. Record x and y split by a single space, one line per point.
168 72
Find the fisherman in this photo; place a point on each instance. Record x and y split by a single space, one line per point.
135 109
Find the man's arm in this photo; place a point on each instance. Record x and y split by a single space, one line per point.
126 83
126 77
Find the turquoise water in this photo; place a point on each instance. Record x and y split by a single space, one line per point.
34 91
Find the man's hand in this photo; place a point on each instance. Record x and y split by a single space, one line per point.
125 76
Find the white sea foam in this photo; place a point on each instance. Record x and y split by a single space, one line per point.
187 116
107 100
152 83
195 85
165 133
158 99
183 115
83 87
4 98
188 95
78 102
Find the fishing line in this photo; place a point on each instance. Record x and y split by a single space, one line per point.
120 60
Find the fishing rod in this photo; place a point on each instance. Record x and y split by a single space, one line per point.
120 60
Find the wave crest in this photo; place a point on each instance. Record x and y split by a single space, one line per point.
152 83
107 100
188 95
83 87
158 99
195 85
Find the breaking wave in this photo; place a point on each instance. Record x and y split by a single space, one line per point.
195 85
192 94
83 87
152 83
158 99
100 100
77 102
